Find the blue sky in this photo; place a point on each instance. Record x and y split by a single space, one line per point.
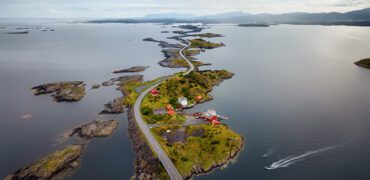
138 8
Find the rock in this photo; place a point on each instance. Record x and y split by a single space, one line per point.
114 107
147 165
62 91
123 80
365 63
95 129
132 69
95 86
18 32
164 44
51 165
173 59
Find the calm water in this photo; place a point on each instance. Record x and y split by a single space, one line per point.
296 93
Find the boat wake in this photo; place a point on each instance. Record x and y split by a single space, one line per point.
286 162
266 155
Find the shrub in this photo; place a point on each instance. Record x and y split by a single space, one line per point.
174 102
146 110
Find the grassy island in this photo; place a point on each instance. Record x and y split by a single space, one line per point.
207 35
189 86
365 63
203 44
51 165
194 149
198 148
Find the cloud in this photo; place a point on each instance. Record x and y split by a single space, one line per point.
53 11
135 8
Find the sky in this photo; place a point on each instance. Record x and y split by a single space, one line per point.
139 8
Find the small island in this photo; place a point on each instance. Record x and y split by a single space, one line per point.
254 25
132 69
50 166
207 35
365 63
62 91
203 44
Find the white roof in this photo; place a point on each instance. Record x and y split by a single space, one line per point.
183 101
211 112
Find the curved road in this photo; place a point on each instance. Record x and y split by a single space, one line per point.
166 161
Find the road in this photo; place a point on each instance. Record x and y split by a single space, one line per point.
191 66
162 156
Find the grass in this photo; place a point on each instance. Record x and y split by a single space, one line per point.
365 63
203 44
130 90
191 52
208 35
214 146
179 63
189 86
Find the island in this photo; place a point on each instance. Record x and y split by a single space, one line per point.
203 44
365 63
50 166
254 25
207 35
62 91
94 129
132 69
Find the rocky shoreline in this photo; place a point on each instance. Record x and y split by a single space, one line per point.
51 165
71 91
232 156
147 165
132 69
365 63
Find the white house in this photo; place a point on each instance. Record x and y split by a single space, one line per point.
183 101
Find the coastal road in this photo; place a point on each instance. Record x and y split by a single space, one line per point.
162 156
191 66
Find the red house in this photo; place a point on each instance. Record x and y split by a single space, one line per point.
214 120
154 92
170 110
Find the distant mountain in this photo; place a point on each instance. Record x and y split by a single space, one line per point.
169 16
353 18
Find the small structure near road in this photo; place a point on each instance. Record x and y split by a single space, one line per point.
183 101
170 110
154 92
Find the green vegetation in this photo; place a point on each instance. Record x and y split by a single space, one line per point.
189 86
198 146
199 63
131 95
50 165
178 63
130 90
203 44
207 35
191 52
365 63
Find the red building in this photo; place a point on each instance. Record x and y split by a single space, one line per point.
170 110
154 92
